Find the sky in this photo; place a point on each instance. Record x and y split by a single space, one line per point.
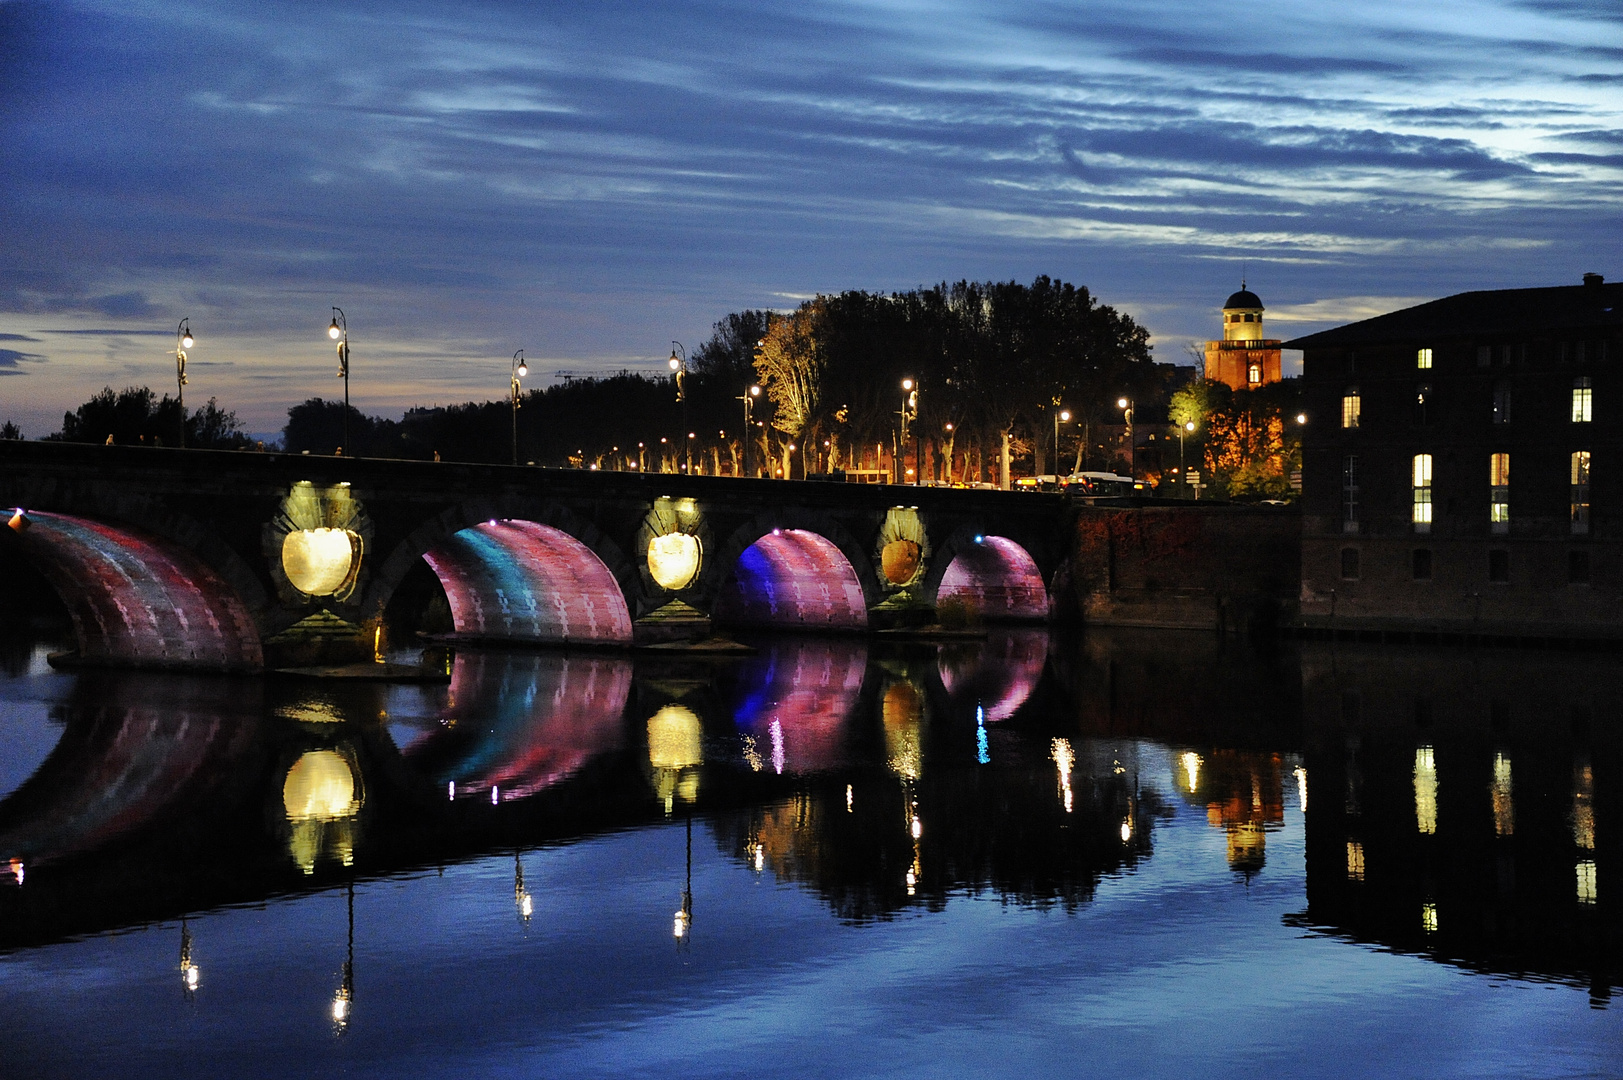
589 182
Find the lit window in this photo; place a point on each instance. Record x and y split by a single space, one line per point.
1355 861
1581 400
1499 498
1351 407
1253 374
1501 403
1349 493
1422 493
1580 492
1422 359
1425 789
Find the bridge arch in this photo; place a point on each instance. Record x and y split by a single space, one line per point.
790 568
520 570
996 575
140 599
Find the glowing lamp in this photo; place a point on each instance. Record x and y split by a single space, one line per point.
900 560
1190 426
674 362
523 369
320 562
1301 418
1121 403
907 384
673 560
333 331
186 340
19 521
755 391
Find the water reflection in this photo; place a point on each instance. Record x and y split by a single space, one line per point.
794 700
515 724
1438 846
321 796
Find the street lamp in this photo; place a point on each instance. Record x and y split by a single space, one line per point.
183 341
517 372
339 332
1185 428
749 395
910 412
679 367
1126 405
1065 415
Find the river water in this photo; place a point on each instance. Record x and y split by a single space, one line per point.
1143 854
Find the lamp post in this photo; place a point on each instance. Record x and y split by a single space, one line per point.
679 367
1185 428
183 341
516 372
1065 415
1126 405
339 332
750 394
910 412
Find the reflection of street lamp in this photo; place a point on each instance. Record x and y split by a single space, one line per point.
1126 405
183 341
342 1000
684 915
521 896
189 974
339 332
518 371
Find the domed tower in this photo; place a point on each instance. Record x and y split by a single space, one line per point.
1243 358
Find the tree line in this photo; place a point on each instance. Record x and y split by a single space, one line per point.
990 369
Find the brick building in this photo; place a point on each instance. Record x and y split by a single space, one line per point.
1243 358
1461 466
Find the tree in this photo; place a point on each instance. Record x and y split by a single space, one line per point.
790 364
10 431
136 415
1253 442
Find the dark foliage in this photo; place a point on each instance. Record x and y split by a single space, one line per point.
137 415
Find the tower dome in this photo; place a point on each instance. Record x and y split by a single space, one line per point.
1242 316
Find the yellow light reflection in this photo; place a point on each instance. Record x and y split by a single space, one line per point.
674 559
1064 761
1355 861
1425 789
902 711
1191 768
321 799
1504 810
1583 804
675 748
1586 882
1428 918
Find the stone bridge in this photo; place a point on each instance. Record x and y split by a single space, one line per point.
236 561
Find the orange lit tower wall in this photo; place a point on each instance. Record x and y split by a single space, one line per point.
1243 358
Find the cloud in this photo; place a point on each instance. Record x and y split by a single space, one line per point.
11 359
1342 309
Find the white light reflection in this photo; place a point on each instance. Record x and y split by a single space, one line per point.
850 799
777 747
1126 829
1064 761
1301 786
983 750
918 827
1587 892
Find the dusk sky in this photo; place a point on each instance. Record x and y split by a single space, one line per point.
590 181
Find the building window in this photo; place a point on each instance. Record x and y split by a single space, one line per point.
1253 374
1499 493
1422 493
1349 564
1580 491
1581 400
1577 568
1484 355
1499 566
1352 407
1422 564
1422 407
1422 359
1501 403
1349 493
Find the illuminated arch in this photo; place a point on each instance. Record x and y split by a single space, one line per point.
997 577
998 676
138 599
524 581
793 578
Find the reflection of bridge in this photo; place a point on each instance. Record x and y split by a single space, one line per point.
216 560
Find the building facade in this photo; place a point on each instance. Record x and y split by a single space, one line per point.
1463 466
1244 358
